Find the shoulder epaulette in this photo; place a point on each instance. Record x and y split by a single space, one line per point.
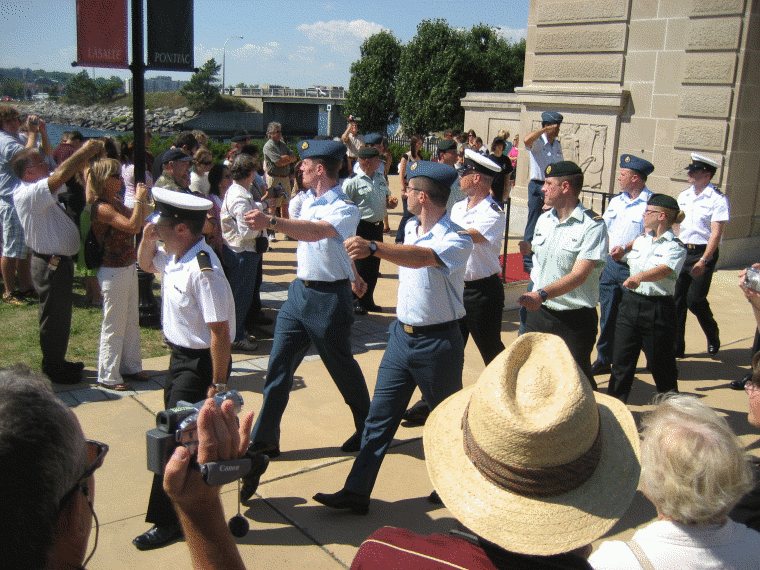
593 215
496 207
463 232
679 242
204 261
717 190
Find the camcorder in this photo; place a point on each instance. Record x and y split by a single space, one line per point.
178 426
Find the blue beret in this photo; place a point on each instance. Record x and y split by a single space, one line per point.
334 150
436 171
635 163
551 117
373 138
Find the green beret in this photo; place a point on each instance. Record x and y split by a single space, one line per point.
562 168
663 201
447 144
368 152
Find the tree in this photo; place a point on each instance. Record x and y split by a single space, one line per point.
431 78
81 89
202 91
13 88
105 92
441 64
372 89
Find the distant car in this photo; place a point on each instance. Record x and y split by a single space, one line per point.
7 98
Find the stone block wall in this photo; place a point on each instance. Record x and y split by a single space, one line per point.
660 79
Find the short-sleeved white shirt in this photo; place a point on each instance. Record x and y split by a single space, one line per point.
542 154
488 218
556 247
192 297
48 229
648 253
433 295
625 217
701 210
327 259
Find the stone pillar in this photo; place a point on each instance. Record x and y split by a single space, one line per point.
655 78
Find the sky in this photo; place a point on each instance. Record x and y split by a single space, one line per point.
293 43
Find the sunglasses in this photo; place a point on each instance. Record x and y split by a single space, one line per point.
96 453
205 163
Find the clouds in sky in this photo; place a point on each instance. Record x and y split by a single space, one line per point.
340 35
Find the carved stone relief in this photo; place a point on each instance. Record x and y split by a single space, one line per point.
585 145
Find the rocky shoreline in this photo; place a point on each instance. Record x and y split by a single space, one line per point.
159 120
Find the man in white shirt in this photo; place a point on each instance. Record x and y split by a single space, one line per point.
706 210
53 238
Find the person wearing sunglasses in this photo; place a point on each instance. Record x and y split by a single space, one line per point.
51 487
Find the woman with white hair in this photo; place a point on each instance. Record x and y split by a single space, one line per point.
694 470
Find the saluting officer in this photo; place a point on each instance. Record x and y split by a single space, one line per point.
706 210
624 219
646 315
198 320
319 307
569 248
425 347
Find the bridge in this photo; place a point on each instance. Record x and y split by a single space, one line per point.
305 112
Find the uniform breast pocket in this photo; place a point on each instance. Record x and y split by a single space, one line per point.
567 253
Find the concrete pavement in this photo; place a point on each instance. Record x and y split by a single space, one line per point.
290 530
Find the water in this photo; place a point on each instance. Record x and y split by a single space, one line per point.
55 131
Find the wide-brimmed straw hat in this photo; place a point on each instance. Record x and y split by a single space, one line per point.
530 458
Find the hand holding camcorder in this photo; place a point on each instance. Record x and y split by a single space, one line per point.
178 426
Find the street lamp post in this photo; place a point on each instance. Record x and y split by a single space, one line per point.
224 57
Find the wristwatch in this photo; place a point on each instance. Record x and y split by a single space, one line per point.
544 295
372 248
272 222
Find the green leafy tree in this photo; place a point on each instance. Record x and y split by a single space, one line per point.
494 64
202 91
105 92
431 78
441 64
81 89
13 88
372 90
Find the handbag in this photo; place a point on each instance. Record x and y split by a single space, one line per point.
93 250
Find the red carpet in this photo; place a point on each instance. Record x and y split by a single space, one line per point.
514 269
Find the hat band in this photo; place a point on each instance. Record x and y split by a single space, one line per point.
529 482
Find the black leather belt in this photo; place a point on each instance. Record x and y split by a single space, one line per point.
696 246
318 284
413 329
537 181
370 223
480 282
47 257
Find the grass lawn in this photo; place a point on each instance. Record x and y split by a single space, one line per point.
20 340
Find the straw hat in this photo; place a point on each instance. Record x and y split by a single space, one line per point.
554 465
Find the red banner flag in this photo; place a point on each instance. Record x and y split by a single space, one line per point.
102 33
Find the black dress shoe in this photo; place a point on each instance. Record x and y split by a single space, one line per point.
739 384
353 443
434 499
271 450
713 346
598 368
373 308
62 375
75 366
157 537
259 464
343 499
418 414
359 310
